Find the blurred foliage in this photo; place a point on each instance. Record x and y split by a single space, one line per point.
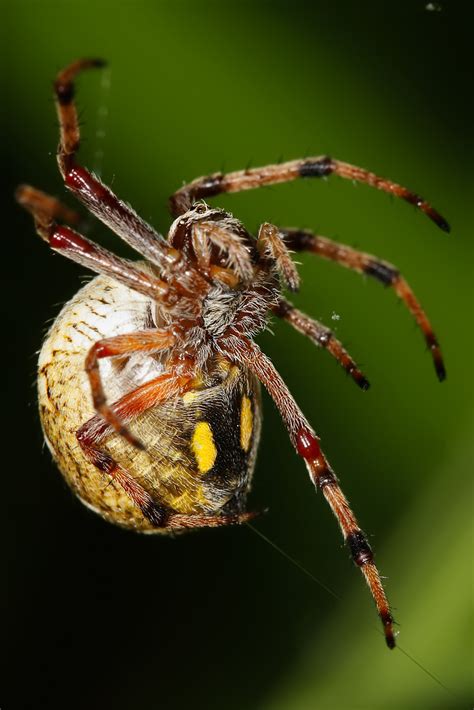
98 617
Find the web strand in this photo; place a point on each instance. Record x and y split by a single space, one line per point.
333 594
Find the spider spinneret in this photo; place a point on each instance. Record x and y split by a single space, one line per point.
149 378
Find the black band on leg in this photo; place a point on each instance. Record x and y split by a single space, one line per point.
316 168
383 272
360 549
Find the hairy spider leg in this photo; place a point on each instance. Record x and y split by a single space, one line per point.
322 336
40 203
244 351
91 435
303 240
140 341
81 250
272 247
318 167
97 197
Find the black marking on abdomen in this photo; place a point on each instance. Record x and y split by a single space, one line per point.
230 470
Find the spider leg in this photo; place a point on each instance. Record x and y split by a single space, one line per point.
39 203
271 246
243 351
81 250
178 521
97 197
321 166
93 432
387 274
142 341
322 336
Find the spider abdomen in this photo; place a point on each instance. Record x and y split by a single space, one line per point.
200 446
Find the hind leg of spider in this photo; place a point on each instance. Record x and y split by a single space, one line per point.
91 435
150 342
321 336
318 167
176 521
245 352
384 272
97 197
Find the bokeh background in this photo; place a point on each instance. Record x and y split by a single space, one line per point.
97 617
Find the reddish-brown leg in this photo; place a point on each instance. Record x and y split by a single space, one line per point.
178 521
39 203
302 240
94 431
96 196
306 443
322 336
272 247
321 166
142 341
81 250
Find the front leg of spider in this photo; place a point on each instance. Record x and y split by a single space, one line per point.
306 443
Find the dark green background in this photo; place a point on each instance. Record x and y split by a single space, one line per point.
97 617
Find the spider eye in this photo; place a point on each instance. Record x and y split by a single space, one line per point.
200 207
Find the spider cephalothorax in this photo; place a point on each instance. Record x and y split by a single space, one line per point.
169 437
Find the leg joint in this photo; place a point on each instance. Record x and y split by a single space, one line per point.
316 168
360 549
64 93
383 272
326 478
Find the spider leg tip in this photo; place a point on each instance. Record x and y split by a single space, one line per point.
387 621
439 220
438 364
98 62
444 225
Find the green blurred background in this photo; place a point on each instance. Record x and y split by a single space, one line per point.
98 617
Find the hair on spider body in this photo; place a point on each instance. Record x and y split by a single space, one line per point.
149 379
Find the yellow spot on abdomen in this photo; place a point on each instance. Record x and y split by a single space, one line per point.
246 423
203 447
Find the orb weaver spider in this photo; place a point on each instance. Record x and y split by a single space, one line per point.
170 342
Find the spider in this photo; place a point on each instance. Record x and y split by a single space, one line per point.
149 378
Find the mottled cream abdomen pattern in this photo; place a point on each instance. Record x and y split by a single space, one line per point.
102 308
